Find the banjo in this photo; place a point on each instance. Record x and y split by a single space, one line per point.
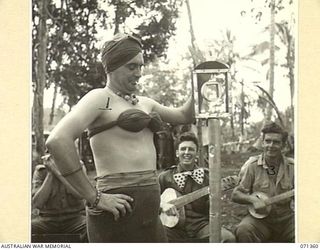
268 201
171 197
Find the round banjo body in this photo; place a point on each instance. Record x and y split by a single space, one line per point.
168 219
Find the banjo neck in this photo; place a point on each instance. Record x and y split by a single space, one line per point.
279 197
226 183
188 198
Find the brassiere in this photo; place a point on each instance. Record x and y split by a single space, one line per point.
133 120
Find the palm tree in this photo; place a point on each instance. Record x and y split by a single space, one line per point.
284 32
272 60
287 38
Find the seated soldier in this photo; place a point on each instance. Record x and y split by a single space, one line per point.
185 178
61 210
272 174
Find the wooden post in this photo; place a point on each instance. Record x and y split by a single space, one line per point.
214 180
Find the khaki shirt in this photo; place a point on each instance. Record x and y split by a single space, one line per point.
61 200
255 178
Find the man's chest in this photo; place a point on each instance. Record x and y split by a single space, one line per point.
271 181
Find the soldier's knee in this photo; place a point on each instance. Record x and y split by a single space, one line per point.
227 236
244 232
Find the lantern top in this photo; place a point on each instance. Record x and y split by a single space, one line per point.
212 65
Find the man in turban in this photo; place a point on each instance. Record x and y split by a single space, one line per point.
124 205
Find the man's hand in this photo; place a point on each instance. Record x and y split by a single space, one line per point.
169 209
46 158
117 204
258 204
49 163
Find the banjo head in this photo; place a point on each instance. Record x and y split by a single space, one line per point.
260 215
167 219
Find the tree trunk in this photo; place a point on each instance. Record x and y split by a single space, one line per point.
40 83
194 59
117 21
55 92
232 113
291 60
53 106
242 110
193 38
271 71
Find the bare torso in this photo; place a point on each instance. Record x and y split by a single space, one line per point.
117 150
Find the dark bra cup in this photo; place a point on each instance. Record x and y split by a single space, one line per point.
155 123
133 120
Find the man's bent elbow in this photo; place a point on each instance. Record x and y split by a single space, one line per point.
240 198
36 203
51 142
235 196
54 142
189 118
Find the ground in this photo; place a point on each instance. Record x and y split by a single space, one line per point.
231 212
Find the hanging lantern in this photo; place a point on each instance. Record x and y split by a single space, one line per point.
210 81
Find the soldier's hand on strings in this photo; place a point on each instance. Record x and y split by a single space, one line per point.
117 204
169 209
259 204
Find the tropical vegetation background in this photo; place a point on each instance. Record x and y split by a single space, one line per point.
255 38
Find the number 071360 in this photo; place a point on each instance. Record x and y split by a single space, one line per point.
309 245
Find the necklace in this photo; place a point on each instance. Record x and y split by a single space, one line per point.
132 98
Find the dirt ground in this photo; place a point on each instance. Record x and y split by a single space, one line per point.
232 213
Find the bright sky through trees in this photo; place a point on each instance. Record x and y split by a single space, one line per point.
210 19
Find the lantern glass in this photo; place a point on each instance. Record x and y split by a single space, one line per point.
211 91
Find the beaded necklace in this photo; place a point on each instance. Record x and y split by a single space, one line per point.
132 98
